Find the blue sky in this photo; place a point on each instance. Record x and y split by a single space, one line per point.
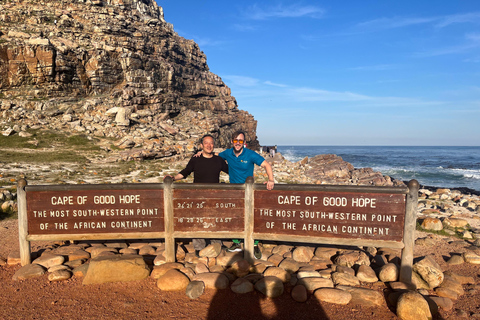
345 72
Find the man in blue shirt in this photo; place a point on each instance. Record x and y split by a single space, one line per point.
241 163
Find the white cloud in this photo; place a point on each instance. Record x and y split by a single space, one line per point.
240 81
280 11
472 17
275 84
380 67
395 22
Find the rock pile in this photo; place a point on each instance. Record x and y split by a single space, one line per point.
329 274
449 212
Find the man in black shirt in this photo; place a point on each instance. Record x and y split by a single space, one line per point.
206 169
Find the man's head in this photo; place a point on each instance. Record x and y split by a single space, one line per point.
238 141
208 144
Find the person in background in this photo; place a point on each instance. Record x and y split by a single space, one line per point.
206 168
241 164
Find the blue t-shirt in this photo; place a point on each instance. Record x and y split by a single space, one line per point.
241 167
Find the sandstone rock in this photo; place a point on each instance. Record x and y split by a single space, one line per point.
303 254
195 289
299 293
213 280
459 278
456 260
29 271
49 260
388 273
352 258
430 271
275 259
312 284
331 295
278 272
345 279
211 251
446 293
442 302
455 222
59 275
308 274
432 224
471 257
289 265
271 287
364 296
116 269
241 285
14 258
81 270
172 280
419 283
201 268
366 274
159 271
147 250
412 306
240 268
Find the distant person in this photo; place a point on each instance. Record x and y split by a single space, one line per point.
206 168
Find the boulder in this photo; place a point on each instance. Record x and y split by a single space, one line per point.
118 268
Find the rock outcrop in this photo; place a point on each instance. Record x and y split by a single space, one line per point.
111 69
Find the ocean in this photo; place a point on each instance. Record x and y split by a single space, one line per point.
445 167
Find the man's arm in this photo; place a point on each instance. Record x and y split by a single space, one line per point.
178 176
269 171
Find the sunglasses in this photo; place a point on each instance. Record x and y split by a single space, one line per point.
238 141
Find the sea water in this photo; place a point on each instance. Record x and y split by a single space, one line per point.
448 167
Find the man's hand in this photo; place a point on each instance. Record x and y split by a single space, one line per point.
270 184
198 154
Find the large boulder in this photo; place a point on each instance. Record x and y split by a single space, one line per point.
118 268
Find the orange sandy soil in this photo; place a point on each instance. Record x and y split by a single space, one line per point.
40 299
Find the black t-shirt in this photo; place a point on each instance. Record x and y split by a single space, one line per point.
205 170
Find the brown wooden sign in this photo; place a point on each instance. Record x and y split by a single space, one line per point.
95 211
208 210
373 216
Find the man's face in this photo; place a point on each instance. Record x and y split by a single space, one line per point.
208 145
238 143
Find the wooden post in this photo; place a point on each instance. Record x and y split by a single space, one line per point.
25 251
168 214
409 232
249 212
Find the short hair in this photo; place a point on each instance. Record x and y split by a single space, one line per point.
237 133
207 135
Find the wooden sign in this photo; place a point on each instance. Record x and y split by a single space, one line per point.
95 211
375 216
208 210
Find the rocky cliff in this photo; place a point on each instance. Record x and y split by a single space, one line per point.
111 69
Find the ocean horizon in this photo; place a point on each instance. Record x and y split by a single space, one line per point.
435 166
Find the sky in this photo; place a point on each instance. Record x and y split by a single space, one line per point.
345 72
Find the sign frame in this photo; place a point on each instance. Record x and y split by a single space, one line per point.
410 192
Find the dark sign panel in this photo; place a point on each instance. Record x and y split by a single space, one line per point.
208 210
95 211
374 216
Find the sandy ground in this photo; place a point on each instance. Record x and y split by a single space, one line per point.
40 299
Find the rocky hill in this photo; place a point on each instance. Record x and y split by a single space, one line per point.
114 70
